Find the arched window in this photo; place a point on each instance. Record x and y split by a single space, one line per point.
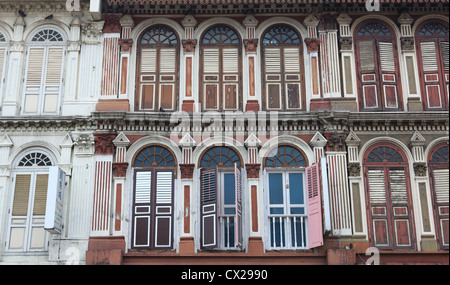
282 69
220 156
26 219
220 69
432 52
285 156
377 67
44 73
389 212
157 70
153 198
438 166
3 53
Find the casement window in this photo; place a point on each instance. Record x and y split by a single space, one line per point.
3 54
282 70
44 74
377 67
439 179
293 204
153 199
157 70
432 53
220 70
221 184
28 203
389 206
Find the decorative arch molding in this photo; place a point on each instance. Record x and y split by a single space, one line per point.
143 26
299 28
229 142
36 27
43 147
136 147
368 145
6 30
391 24
290 140
203 26
431 146
418 23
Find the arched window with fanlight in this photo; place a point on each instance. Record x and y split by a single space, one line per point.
221 183
282 69
157 70
377 67
153 198
438 166
432 39
220 69
44 73
388 194
28 204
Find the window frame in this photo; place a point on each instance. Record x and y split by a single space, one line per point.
377 71
46 46
283 81
443 76
158 82
4 45
220 82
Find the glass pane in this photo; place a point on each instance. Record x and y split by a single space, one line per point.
296 188
297 211
276 188
229 189
276 211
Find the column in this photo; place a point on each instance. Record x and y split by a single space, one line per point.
108 100
72 61
313 43
187 242
11 98
253 168
125 43
120 166
421 186
5 170
252 98
189 44
356 185
414 100
101 208
338 184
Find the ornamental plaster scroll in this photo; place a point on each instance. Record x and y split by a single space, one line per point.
91 32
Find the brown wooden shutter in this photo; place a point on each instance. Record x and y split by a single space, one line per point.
147 80
230 68
378 207
164 209
167 79
272 62
211 79
292 78
430 71
238 188
388 78
208 204
315 231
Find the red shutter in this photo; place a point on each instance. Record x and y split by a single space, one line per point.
238 189
208 204
314 206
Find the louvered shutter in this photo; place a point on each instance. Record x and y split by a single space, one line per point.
378 206
21 194
53 77
272 61
211 79
292 78
40 194
238 189
34 78
142 209
164 209
441 185
430 71
441 197
314 204
368 77
167 79
208 207
147 79
389 76
230 63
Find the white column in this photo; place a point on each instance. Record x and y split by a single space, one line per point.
5 169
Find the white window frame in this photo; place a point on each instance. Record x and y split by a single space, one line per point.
286 207
47 45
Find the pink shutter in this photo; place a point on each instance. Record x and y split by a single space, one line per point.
314 206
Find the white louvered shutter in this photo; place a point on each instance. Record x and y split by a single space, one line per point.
168 60
377 188
441 185
211 79
33 81
53 77
211 61
397 180
142 209
230 68
272 62
148 60
230 60
164 209
292 78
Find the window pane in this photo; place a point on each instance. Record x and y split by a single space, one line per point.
229 189
276 188
296 188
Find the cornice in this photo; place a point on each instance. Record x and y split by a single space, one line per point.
37 6
43 124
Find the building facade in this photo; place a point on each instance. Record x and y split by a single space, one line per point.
224 132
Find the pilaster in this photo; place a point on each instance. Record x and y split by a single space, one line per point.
253 100
189 44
